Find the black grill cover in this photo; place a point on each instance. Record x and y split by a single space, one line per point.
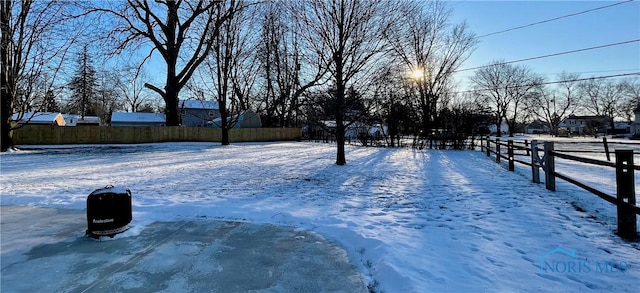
108 211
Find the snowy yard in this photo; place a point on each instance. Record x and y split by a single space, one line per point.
411 221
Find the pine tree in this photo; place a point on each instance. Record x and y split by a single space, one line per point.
49 103
84 84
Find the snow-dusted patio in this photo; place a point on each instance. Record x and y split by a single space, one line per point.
410 221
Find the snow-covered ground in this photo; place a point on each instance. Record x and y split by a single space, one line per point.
411 221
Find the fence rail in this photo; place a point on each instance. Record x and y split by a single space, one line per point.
625 199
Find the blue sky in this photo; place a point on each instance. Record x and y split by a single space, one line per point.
605 26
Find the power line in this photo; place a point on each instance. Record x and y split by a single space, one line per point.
551 55
558 81
572 72
554 19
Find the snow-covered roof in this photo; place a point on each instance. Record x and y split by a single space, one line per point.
137 117
198 104
90 119
36 117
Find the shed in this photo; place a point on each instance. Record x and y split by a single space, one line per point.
246 119
137 119
43 118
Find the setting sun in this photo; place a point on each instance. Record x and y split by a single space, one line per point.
417 74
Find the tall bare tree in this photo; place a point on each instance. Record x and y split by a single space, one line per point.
286 71
34 40
505 87
603 97
182 32
130 85
553 105
347 36
632 97
432 48
228 72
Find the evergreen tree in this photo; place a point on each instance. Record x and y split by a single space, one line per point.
49 103
84 84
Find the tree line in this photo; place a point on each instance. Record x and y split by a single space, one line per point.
295 62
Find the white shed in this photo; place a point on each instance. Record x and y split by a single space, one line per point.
137 119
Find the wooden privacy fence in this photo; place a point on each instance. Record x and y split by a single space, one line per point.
46 134
625 199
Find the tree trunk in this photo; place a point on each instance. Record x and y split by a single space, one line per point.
6 140
172 110
340 156
340 92
7 82
224 125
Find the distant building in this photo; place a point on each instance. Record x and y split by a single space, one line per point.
197 113
328 128
246 119
585 125
621 128
137 119
42 118
537 127
635 126
70 119
504 128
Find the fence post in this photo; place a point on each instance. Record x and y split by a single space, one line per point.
512 166
626 194
535 168
497 150
526 145
549 164
488 146
606 148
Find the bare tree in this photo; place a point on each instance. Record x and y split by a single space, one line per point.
432 48
34 40
603 98
505 87
347 36
130 84
108 98
553 105
632 97
181 31
228 71
525 86
286 71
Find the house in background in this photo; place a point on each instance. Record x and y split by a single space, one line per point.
581 125
137 119
635 126
326 128
504 128
246 119
537 127
621 128
41 118
197 113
